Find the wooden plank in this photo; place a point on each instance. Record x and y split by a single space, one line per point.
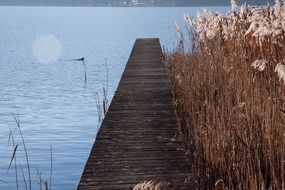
135 141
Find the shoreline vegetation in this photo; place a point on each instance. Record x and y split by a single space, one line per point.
23 171
228 77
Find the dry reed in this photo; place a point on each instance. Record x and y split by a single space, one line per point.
43 184
230 96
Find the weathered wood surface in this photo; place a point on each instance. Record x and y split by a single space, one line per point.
134 142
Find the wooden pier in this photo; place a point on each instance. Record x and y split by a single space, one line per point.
135 141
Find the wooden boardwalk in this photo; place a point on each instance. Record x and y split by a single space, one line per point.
134 142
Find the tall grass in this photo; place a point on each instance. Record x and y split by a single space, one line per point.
44 184
13 158
228 80
17 121
103 105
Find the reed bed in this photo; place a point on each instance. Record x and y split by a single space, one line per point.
229 87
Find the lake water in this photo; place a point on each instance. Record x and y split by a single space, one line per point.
54 105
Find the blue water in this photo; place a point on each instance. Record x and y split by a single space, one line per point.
54 105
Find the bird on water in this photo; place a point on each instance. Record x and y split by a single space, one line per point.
81 59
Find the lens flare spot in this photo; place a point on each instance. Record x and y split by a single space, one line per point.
47 48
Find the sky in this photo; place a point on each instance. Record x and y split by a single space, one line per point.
129 2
